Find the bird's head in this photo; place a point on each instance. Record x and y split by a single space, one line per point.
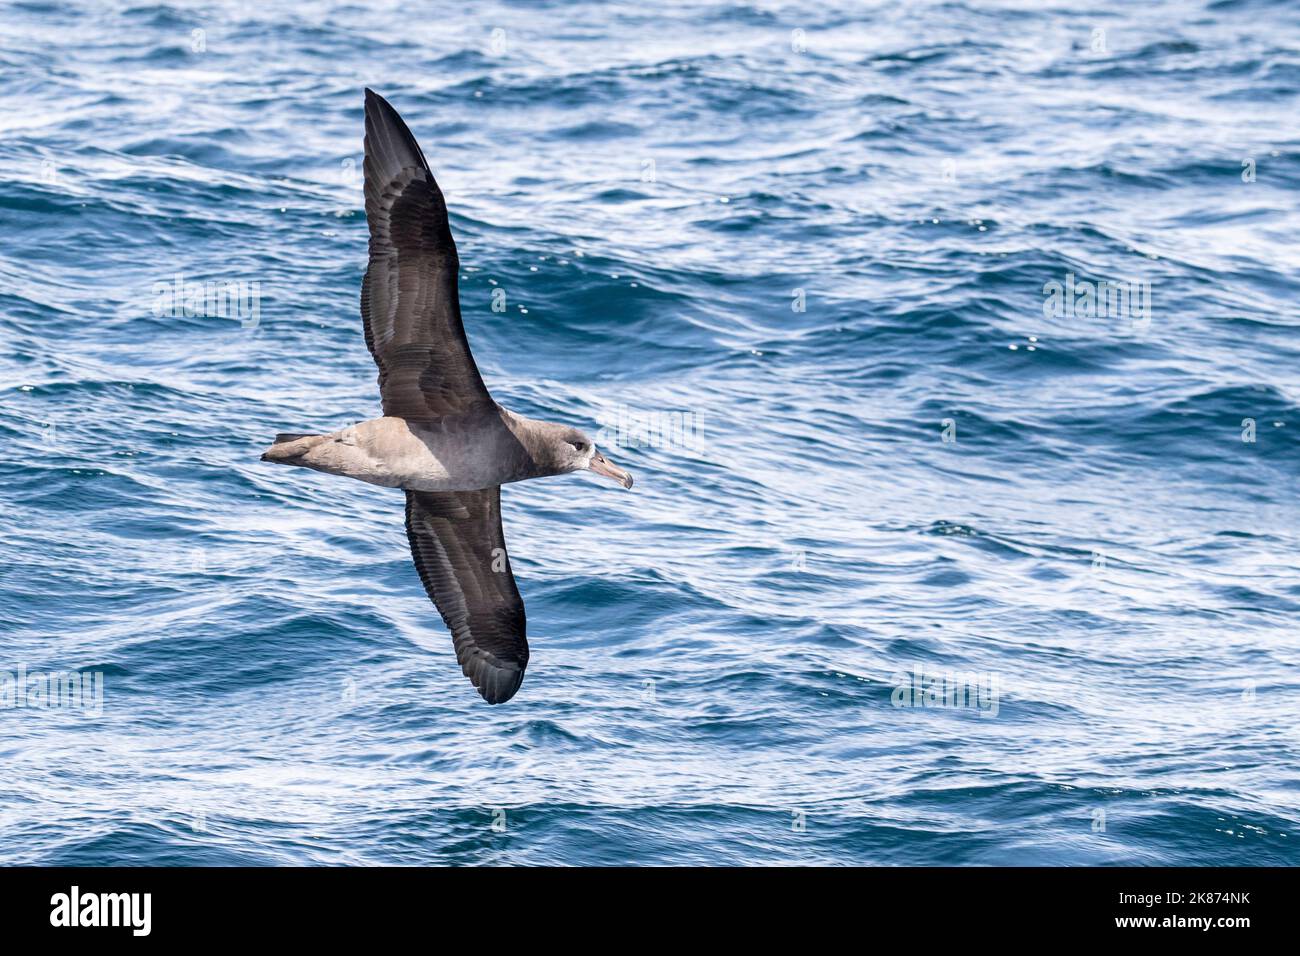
577 452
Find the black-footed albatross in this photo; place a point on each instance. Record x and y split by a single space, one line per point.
442 438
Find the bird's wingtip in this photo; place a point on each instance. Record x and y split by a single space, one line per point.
495 682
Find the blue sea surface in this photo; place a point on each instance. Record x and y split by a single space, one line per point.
928 561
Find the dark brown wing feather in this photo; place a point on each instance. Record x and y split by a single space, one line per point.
460 552
410 303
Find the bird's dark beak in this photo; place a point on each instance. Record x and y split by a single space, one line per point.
603 466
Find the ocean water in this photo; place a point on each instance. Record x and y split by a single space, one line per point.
815 273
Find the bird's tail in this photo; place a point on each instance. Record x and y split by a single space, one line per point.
289 447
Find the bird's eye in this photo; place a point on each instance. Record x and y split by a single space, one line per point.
580 445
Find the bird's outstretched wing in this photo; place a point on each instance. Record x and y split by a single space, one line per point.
460 552
410 303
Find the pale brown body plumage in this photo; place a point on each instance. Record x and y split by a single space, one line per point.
463 452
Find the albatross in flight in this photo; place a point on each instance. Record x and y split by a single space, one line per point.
442 439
